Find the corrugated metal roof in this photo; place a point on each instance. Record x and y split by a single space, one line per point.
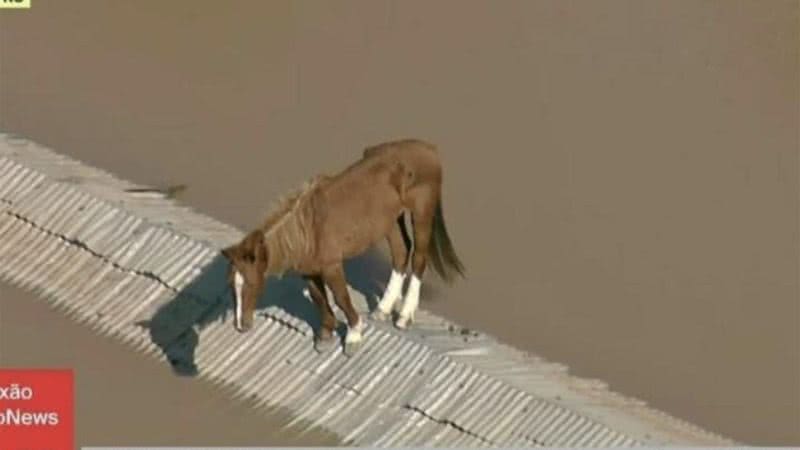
148 272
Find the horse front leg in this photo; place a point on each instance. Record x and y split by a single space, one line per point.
324 340
335 278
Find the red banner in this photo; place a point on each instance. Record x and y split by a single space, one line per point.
37 409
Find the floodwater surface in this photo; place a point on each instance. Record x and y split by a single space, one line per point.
621 177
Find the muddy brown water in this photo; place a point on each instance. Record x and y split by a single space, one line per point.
621 177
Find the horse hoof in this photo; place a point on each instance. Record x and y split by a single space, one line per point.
351 348
325 345
379 316
403 323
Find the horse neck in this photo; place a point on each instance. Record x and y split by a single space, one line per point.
288 240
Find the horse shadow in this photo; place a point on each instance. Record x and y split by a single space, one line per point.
176 325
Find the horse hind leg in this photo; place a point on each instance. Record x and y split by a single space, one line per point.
400 247
423 226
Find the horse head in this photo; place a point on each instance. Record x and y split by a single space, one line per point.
246 275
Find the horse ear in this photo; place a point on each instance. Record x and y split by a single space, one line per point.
261 250
230 252
256 245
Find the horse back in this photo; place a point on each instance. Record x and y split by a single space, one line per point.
406 147
414 160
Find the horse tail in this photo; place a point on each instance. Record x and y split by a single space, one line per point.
441 250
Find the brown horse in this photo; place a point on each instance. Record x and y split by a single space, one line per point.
333 218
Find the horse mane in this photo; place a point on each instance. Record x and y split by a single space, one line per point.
289 228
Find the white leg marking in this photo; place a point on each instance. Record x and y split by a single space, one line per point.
238 283
393 292
410 303
355 334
